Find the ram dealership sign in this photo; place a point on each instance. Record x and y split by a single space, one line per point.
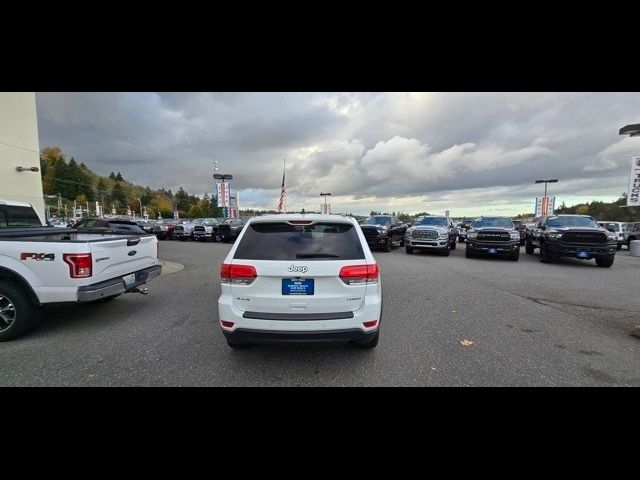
633 194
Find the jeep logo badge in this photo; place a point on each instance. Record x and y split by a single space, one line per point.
297 269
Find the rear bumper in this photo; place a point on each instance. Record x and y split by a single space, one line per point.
241 335
507 248
116 285
254 327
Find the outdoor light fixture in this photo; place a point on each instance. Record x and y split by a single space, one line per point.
631 130
553 180
27 169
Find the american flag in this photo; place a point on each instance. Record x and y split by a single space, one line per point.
282 192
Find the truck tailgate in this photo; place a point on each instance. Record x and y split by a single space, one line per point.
121 256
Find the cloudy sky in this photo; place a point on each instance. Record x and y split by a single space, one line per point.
470 153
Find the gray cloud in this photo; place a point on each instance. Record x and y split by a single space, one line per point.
372 150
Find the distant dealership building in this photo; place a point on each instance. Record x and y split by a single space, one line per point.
20 177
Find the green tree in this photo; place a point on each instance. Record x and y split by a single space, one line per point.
119 177
112 176
117 195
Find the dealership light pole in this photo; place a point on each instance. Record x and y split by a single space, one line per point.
325 201
553 180
140 207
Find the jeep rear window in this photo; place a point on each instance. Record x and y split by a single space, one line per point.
282 241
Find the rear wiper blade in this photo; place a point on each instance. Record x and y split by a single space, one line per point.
316 255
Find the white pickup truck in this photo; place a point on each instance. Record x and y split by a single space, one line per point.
41 264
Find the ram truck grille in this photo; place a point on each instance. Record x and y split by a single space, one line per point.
584 237
494 236
430 234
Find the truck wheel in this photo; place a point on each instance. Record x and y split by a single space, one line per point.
402 242
183 239
467 253
605 262
387 247
515 257
528 248
408 249
453 245
18 313
544 254
445 253
373 343
619 246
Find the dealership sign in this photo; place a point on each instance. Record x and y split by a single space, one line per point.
223 194
633 194
545 206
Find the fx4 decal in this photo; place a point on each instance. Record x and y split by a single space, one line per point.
47 257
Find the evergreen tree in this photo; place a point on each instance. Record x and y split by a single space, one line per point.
112 176
119 177
117 194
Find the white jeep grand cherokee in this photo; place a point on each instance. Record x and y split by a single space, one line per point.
300 278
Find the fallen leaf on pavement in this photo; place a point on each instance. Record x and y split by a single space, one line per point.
466 343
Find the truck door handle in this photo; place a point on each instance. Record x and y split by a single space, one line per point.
132 241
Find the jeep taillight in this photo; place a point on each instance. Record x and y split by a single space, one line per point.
237 274
359 274
79 264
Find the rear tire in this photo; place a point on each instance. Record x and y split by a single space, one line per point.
515 257
605 262
445 253
373 343
528 248
182 239
453 245
407 249
387 247
619 247
18 312
468 254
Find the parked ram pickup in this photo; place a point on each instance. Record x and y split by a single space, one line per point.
42 264
577 236
493 236
383 231
431 233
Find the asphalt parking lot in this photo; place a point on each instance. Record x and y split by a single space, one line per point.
531 324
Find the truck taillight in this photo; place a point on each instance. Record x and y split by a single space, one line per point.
79 264
359 274
237 274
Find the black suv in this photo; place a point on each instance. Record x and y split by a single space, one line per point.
577 236
230 229
383 231
496 236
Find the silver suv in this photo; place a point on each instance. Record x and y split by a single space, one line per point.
631 233
431 233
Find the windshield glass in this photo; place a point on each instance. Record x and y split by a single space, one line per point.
434 221
571 221
282 241
499 222
377 220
